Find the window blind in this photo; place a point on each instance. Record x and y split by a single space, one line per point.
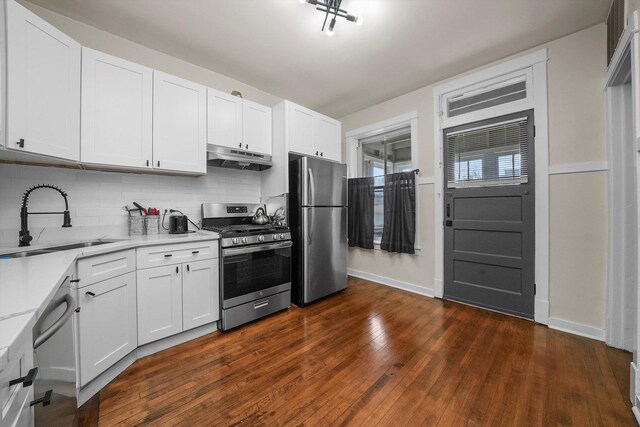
475 101
492 155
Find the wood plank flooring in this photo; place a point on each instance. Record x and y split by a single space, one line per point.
374 355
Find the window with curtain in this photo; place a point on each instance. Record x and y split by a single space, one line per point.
384 153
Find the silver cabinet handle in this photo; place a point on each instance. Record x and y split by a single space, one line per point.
58 324
260 304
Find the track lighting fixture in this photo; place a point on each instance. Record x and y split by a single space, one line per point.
331 8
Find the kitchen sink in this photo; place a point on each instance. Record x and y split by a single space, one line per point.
58 248
24 254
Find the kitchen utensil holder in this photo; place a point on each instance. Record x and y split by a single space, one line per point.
152 224
136 225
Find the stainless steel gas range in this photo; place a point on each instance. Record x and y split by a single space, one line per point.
255 263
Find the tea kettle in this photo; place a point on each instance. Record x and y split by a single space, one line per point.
260 217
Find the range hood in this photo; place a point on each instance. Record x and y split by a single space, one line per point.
232 158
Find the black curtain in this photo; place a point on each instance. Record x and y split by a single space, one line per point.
361 212
399 230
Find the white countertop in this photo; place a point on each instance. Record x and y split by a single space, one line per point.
28 284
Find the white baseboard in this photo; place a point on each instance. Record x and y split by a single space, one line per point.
392 282
163 344
636 413
576 328
541 311
110 374
633 374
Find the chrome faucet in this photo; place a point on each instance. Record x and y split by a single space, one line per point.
25 238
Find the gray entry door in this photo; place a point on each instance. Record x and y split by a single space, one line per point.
489 250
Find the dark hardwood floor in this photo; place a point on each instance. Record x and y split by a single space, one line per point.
374 355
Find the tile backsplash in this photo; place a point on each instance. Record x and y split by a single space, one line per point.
96 198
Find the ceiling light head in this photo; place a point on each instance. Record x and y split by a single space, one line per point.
331 8
332 25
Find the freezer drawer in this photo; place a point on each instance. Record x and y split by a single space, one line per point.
324 243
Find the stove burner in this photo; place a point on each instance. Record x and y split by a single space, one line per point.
244 228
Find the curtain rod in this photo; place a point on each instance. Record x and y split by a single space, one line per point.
416 171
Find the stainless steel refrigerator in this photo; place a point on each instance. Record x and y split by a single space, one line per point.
318 221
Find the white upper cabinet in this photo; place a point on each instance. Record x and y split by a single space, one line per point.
117 102
301 129
43 88
224 119
313 134
328 137
237 123
179 124
256 127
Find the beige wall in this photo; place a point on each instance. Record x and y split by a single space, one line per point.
106 42
578 213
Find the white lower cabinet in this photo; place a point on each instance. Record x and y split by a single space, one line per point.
175 298
159 303
107 324
200 296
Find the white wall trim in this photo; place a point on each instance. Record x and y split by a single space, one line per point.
576 328
537 62
405 286
578 167
382 126
425 180
519 63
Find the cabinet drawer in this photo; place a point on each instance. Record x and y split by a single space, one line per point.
95 269
156 256
20 362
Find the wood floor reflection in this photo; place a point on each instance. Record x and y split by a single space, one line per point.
374 355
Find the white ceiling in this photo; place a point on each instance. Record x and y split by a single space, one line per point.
277 45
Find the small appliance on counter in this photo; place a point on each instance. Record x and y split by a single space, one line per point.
178 224
255 262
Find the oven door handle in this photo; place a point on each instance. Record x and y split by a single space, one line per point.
257 248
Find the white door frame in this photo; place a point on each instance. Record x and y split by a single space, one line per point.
536 62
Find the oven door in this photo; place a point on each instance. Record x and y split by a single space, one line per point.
256 271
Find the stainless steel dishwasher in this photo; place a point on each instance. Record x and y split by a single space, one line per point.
55 391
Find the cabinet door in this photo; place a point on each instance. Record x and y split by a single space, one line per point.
328 138
159 303
224 119
179 124
200 293
116 111
43 87
256 127
301 127
107 329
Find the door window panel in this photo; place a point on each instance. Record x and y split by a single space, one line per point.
490 155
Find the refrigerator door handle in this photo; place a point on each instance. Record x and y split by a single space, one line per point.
312 187
310 226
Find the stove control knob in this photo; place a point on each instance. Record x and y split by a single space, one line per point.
244 240
260 238
282 236
235 241
275 237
